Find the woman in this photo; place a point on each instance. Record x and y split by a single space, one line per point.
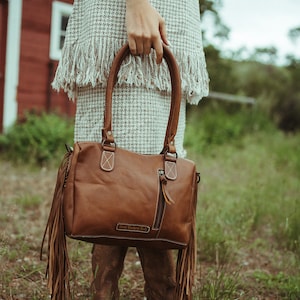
96 31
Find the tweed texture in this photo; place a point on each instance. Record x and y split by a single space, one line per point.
96 31
139 118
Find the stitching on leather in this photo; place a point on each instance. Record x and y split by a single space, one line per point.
170 170
107 160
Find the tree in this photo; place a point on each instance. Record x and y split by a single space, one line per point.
220 71
294 34
211 7
266 55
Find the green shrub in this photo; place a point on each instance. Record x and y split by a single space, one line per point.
38 140
216 124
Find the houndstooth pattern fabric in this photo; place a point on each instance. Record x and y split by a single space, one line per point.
139 118
96 31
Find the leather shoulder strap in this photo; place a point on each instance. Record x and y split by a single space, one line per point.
107 136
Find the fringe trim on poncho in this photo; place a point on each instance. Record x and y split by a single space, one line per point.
82 64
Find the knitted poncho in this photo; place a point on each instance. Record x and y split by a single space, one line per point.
96 30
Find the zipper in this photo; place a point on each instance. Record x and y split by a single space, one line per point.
161 205
164 198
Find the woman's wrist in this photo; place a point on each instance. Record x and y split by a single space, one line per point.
132 3
135 1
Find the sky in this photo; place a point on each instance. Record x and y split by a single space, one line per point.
261 23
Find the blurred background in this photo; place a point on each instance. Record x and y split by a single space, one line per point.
244 138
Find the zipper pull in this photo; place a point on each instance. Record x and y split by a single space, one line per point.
163 185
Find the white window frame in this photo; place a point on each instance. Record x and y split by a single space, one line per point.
59 9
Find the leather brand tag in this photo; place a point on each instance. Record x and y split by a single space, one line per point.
133 228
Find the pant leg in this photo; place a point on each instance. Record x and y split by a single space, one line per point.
159 273
107 266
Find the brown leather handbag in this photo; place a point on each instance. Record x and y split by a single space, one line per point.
109 195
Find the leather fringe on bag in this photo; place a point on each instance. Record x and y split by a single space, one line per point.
187 262
58 265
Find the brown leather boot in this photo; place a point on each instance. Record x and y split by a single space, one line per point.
159 272
107 266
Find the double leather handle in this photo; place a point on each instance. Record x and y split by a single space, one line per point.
107 136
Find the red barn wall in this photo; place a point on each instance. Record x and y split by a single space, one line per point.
36 68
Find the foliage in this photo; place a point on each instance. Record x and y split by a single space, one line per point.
222 77
214 124
288 286
37 140
276 88
219 283
211 7
267 55
294 34
254 73
261 80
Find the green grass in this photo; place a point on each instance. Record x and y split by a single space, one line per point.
248 219
249 201
247 190
28 201
287 286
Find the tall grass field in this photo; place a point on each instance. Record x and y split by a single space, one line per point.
248 214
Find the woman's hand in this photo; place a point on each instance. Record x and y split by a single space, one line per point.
145 28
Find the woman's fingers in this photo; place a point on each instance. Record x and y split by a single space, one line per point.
139 46
157 45
147 44
145 29
132 46
163 31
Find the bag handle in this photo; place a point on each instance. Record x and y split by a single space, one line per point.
169 145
